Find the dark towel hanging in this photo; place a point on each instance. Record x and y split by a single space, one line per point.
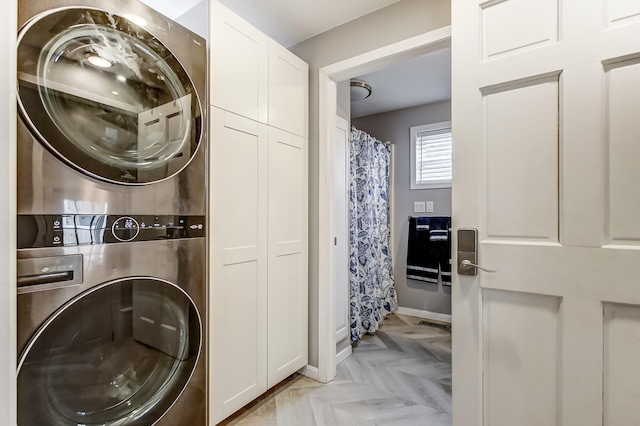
429 249
422 223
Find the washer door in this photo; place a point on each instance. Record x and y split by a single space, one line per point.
119 353
106 96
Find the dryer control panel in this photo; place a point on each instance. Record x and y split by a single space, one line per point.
37 231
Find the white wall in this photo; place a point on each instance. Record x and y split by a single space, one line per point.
196 19
8 117
391 24
394 126
343 106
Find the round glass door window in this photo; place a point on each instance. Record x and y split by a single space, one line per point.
118 354
106 96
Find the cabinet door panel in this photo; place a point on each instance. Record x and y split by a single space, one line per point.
239 65
238 262
288 91
288 251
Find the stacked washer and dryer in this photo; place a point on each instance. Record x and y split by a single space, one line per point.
112 300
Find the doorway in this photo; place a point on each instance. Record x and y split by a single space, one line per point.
409 105
330 76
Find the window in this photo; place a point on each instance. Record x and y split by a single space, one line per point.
431 156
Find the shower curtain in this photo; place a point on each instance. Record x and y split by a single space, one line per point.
372 289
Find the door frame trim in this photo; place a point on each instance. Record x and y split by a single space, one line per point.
329 76
8 213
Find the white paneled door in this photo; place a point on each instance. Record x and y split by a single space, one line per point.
340 253
546 135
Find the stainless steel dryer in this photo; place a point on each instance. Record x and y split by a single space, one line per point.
112 302
110 97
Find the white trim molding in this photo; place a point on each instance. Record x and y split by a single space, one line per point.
344 354
435 316
311 372
8 186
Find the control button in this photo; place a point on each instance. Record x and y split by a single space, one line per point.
57 239
56 224
125 229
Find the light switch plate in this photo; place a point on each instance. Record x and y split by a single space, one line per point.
418 207
430 206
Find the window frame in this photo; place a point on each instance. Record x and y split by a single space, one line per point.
414 134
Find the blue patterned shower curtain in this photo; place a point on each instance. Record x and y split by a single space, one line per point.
372 288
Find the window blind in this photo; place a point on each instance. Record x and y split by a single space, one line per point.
433 156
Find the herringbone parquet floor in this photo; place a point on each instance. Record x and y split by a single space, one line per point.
401 376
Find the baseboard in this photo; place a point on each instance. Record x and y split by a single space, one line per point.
424 314
311 372
343 354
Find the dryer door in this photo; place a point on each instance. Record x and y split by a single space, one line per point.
119 353
106 96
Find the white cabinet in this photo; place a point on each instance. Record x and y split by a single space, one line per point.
288 91
288 259
238 262
255 77
258 214
239 78
258 259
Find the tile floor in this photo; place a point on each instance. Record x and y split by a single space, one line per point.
399 376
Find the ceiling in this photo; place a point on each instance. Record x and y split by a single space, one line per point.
171 8
416 81
413 82
286 21
292 21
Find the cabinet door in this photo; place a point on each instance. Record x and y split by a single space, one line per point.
288 251
288 91
239 65
238 262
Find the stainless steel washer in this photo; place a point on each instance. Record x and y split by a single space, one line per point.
111 332
112 301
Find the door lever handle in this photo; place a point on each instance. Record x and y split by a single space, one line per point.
466 264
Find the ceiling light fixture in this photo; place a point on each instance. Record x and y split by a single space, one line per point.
360 90
98 61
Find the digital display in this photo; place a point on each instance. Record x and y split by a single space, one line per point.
125 229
